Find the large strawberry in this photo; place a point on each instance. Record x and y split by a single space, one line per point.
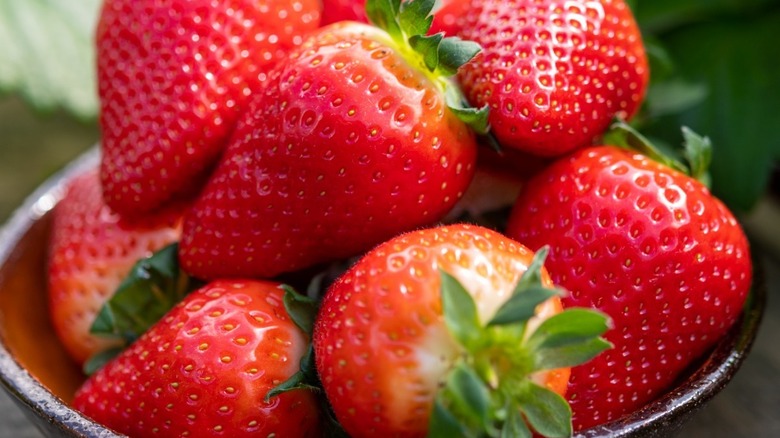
651 247
173 77
91 251
205 370
357 137
450 329
554 72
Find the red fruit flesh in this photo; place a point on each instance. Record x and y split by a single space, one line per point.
91 251
348 146
554 73
381 345
205 369
173 76
650 247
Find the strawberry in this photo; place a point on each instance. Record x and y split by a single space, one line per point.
205 369
343 10
553 72
91 250
355 139
440 308
497 182
647 245
173 77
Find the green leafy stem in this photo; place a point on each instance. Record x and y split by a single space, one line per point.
490 391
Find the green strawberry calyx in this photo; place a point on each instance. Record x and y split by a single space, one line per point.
439 57
154 285
695 158
489 390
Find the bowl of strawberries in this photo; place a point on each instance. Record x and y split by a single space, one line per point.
298 223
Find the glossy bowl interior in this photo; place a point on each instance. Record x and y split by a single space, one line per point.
35 369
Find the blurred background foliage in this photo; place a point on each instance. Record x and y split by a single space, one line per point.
713 69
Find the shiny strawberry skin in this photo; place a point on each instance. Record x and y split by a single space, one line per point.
449 17
650 247
205 369
348 146
173 77
355 10
381 345
91 250
554 73
343 10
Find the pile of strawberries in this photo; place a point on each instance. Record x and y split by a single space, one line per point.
250 147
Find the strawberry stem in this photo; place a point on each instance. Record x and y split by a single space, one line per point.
623 135
440 57
697 150
489 391
698 153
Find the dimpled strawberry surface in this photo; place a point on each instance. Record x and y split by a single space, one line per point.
333 157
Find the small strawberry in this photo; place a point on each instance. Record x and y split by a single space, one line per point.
173 77
452 330
91 251
553 72
359 136
205 369
649 246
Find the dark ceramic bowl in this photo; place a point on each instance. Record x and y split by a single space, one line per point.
36 371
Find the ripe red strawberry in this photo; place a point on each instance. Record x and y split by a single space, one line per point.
554 73
205 369
352 142
647 245
398 340
173 77
91 251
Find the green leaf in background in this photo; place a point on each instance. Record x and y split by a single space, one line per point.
735 59
674 96
47 53
660 15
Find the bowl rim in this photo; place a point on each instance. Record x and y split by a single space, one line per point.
713 374
16 380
